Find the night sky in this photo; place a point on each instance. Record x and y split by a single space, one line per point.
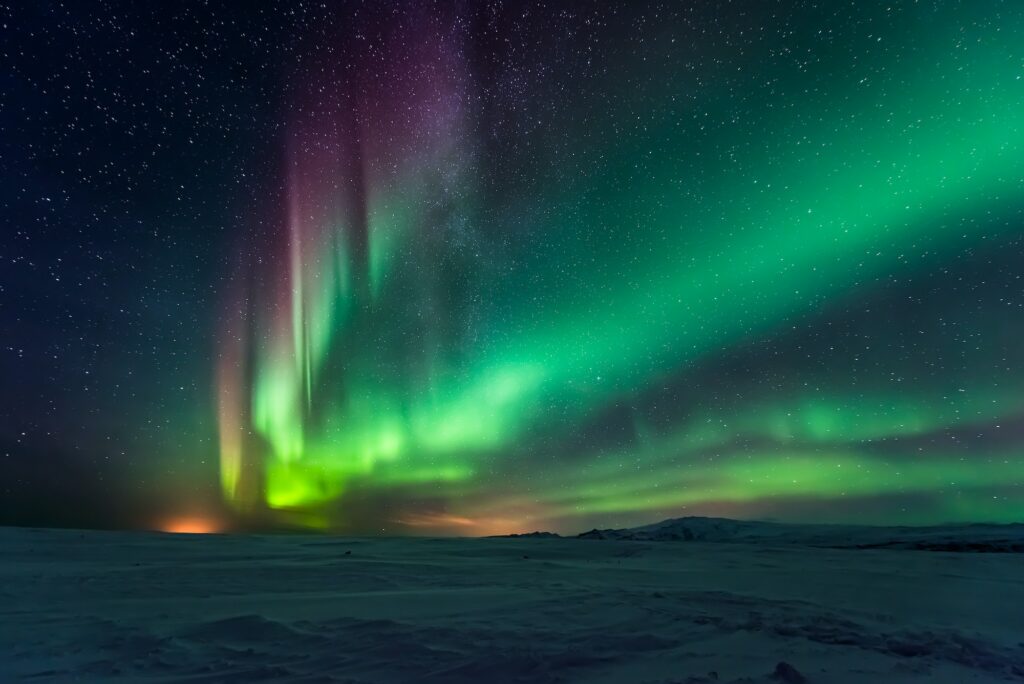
414 267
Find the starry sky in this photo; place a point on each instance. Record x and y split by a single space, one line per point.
483 267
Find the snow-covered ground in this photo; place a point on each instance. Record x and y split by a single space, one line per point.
142 607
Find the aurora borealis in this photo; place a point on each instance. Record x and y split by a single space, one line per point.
493 267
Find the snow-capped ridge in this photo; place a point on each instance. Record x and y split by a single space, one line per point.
977 537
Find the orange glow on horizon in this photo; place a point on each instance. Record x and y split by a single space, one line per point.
191 525
447 523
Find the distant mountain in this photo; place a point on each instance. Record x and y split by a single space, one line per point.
696 529
981 537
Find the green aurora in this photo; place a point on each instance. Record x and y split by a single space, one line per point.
639 267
